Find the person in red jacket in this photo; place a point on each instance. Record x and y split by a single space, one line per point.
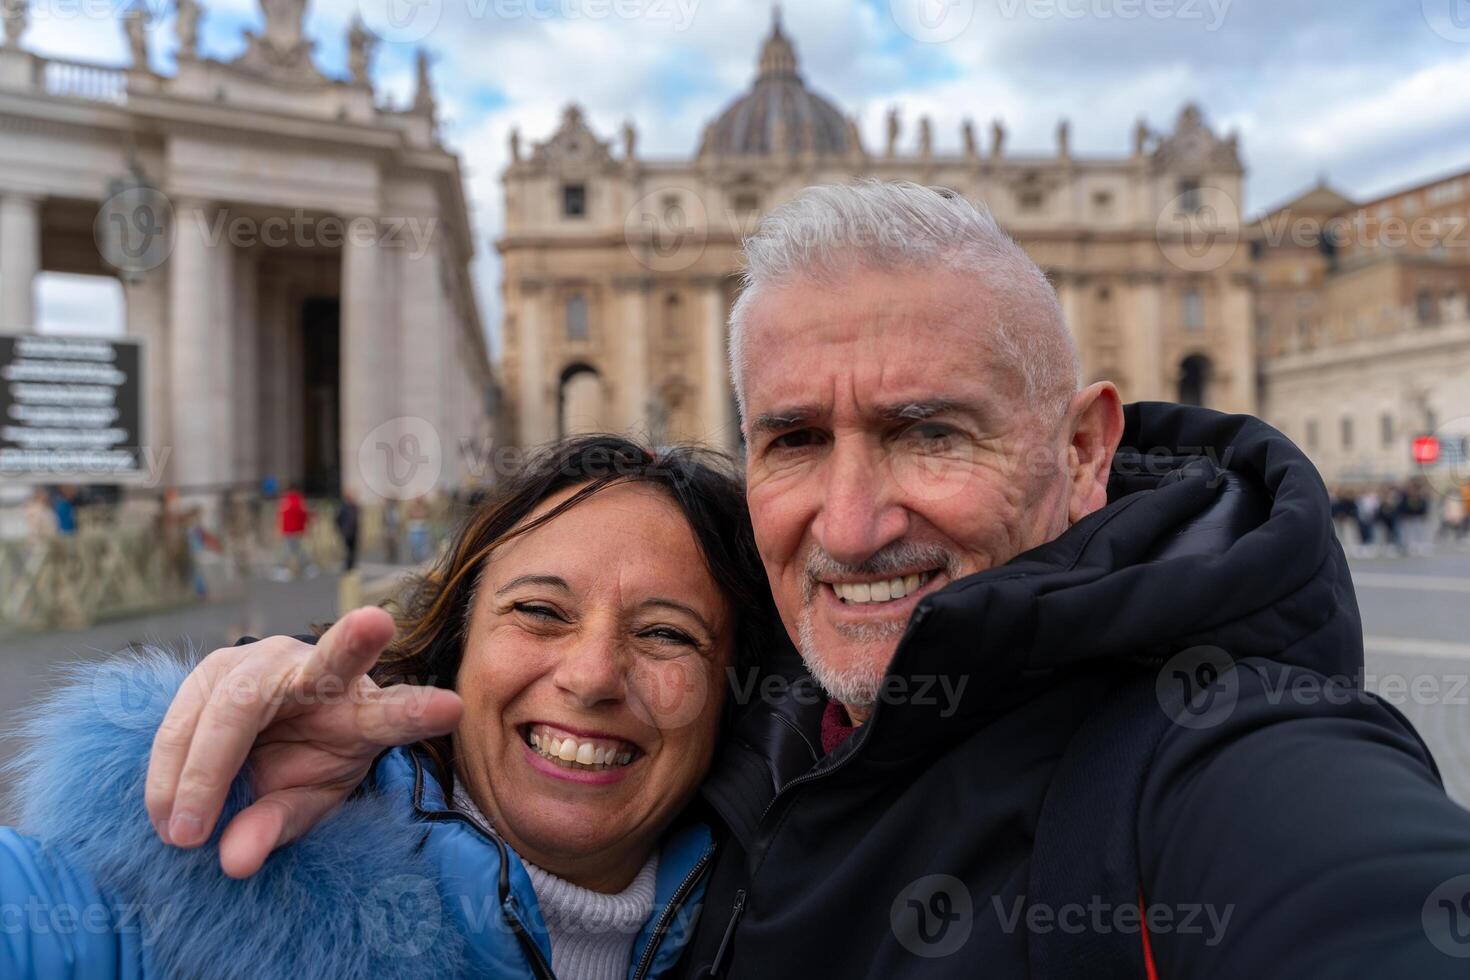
292 518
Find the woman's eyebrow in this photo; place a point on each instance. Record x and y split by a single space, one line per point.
553 581
686 609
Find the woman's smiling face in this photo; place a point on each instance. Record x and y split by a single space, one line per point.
593 682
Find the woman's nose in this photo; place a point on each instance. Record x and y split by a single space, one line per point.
592 671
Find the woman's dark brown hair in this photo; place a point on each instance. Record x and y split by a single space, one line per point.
434 616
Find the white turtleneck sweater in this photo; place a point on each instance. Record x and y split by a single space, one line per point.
592 933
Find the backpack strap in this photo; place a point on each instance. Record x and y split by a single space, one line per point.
1086 846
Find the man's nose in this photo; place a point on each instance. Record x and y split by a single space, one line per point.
861 510
591 671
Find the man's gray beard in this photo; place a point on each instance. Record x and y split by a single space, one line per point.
855 685
858 684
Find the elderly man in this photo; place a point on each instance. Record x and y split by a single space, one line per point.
1085 698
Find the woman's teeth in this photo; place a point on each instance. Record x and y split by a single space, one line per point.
579 753
885 591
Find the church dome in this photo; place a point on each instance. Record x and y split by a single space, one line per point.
779 114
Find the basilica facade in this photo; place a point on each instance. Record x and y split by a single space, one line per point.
620 269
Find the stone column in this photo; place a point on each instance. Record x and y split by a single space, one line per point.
1237 323
632 340
199 355
20 261
147 320
246 375
1143 340
719 423
367 355
535 420
1069 295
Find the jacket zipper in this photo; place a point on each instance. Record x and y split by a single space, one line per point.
675 901
735 914
919 616
539 966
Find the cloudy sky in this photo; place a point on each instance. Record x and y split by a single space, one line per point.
1374 94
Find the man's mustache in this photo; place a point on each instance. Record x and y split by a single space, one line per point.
890 561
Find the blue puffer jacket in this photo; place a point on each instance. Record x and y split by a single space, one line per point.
395 884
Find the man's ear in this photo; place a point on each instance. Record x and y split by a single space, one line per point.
1096 420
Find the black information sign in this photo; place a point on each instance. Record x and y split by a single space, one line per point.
70 409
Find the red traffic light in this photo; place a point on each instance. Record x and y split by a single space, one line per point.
1426 449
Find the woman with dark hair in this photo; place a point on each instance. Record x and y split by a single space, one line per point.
587 615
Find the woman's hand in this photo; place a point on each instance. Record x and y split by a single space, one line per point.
308 719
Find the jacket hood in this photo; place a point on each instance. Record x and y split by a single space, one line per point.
1217 533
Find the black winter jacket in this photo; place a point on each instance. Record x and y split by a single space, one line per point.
1297 828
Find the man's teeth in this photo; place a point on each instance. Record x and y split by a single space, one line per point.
885 591
580 754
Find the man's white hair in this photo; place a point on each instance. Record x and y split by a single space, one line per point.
829 230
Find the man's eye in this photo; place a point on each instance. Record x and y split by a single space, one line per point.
932 433
799 439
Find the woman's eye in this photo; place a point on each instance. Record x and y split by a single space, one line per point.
667 634
537 611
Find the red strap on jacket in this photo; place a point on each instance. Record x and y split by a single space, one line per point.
1148 951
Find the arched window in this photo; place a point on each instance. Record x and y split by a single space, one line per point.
582 402
1194 380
